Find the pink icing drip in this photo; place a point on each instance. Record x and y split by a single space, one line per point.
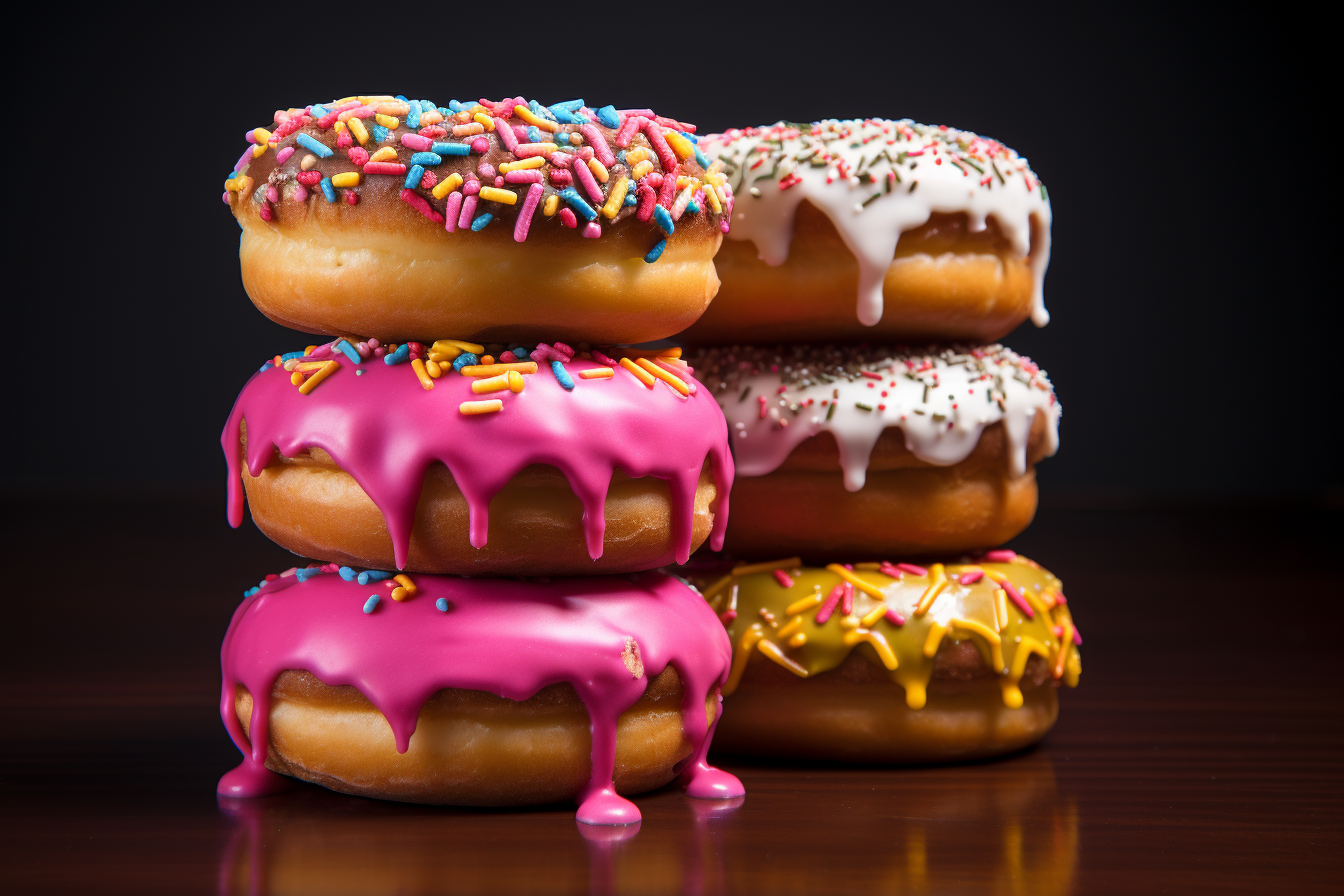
505 636
385 430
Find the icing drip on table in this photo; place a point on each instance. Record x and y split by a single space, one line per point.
506 636
774 398
808 620
384 426
875 179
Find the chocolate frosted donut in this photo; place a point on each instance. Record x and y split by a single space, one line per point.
493 692
851 452
882 662
939 235
402 219
443 458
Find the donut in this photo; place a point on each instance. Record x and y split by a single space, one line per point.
851 452
449 458
401 219
494 692
940 235
883 662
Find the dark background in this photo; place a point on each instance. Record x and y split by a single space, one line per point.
1184 158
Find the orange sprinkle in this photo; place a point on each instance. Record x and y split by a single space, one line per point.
644 376
497 369
492 383
489 406
405 581
318 376
666 376
597 373
419 367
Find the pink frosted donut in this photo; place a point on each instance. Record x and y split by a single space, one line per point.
439 689
553 462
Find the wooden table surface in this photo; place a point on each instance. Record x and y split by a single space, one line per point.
1202 752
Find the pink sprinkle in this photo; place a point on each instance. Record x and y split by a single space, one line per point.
561 159
243 159
363 112
561 178
647 199
428 180
970 578
584 152
667 193
272 194
433 132
592 230
895 618
506 135
530 202
653 179
847 600
598 143
226 197
829 604
384 168
451 210
912 569
507 357
416 142
486 170
351 197
761 400
472 186
531 176
564 349
589 183
468 212
1016 597
265 211
1077 638
344 140
627 130
567 218
887 569
358 154
1061 599
783 578
603 359
684 373
871 375
659 144
528 150
728 615
300 193
781 390
322 351
1003 555
674 124
480 145
417 202
283 155
499 181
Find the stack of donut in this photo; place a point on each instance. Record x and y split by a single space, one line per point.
884 446
483 489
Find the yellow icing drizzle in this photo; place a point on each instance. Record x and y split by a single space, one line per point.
780 622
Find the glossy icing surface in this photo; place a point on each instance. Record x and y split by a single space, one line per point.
808 619
774 398
506 636
384 426
875 178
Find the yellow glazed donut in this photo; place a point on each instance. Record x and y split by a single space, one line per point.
400 219
883 662
874 229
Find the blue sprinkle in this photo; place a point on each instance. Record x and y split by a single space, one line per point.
693 207
251 591
370 603
429 159
401 354
347 573
521 352
317 149
562 375
480 224
656 251
690 137
701 159
413 176
570 195
290 356
379 133
450 149
534 135
328 190
620 157
265 367
444 111
467 359
562 115
402 99
442 604
304 575
607 115
569 105
663 218
348 350
454 106
318 111
372 575
630 199
413 116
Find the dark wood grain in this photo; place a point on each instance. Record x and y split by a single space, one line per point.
1203 751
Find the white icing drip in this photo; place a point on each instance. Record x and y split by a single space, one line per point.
941 403
956 172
